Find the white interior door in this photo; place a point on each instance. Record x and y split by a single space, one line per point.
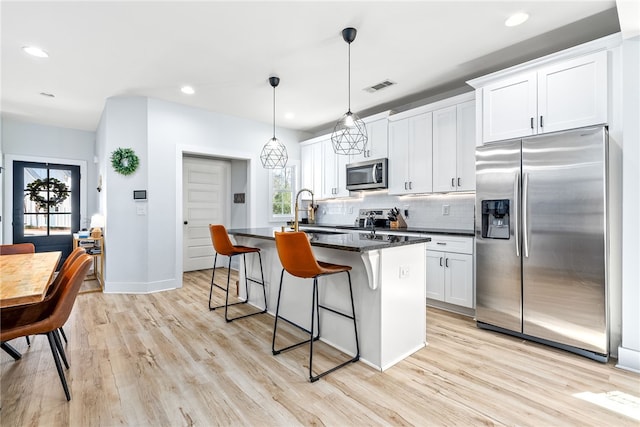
205 200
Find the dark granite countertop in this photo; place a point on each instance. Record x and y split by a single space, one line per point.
415 230
346 241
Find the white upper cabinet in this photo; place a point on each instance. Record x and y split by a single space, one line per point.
377 138
573 93
560 95
334 174
444 149
509 108
311 167
454 160
410 151
466 146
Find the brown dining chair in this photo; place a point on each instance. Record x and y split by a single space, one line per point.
47 316
297 259
65 272
223 246
17 248
53 287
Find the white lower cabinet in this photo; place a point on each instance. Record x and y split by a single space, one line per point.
450 270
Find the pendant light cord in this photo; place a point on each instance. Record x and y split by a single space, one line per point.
349 78
274 112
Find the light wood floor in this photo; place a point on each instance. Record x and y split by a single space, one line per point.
165 360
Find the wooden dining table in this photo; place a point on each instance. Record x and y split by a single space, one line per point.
24 279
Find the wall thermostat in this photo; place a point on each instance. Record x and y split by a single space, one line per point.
139 194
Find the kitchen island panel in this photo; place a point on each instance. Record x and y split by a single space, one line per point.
390 318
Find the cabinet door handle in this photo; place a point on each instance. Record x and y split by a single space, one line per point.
441 243
459 182
446 262
410 185
531 122
541 122
440 261
186 222
405 185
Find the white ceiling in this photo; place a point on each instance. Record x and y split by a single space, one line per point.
227 51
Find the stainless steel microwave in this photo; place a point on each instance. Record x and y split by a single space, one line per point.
368 175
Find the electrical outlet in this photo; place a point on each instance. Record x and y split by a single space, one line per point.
445 209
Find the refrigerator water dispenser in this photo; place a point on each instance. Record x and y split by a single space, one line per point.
495 219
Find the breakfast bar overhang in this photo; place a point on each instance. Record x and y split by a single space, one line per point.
388 276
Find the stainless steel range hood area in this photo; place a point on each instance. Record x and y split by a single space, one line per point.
367 175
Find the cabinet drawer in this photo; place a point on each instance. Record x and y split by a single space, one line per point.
462 245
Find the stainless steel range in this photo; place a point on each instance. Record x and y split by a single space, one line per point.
373 217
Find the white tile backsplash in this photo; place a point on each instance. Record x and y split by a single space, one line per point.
424 211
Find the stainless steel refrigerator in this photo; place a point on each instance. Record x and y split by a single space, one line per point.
541 239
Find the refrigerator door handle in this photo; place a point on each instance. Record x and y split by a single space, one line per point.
525 208
516 214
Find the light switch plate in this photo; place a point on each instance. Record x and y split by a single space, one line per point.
445 209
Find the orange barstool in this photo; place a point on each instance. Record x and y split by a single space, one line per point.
298 260
223 246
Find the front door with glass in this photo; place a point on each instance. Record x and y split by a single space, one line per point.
46 205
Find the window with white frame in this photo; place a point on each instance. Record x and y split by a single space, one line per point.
282 188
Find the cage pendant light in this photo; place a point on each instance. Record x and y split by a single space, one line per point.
350 134
274 153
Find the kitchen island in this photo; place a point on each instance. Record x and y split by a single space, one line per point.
388 276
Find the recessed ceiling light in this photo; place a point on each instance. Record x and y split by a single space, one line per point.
516 19
289 116
35 51
188 90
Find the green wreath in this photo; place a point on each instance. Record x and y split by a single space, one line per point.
124 161
56 190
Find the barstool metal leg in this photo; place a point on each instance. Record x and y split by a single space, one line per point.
355 326
315 323
264 286
317 306
246 287
213 274
275 325
314 301
226 301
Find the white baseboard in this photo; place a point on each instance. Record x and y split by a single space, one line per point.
139 287
628 359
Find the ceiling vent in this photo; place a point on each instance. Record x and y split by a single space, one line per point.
379 86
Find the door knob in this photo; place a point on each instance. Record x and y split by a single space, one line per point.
186 222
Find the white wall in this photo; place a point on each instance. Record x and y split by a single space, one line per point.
124 125
34 142
149 247
239 185
629 351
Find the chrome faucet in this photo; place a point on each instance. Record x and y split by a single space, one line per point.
372 221
295 220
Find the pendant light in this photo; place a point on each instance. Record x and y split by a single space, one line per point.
274 153
350 134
